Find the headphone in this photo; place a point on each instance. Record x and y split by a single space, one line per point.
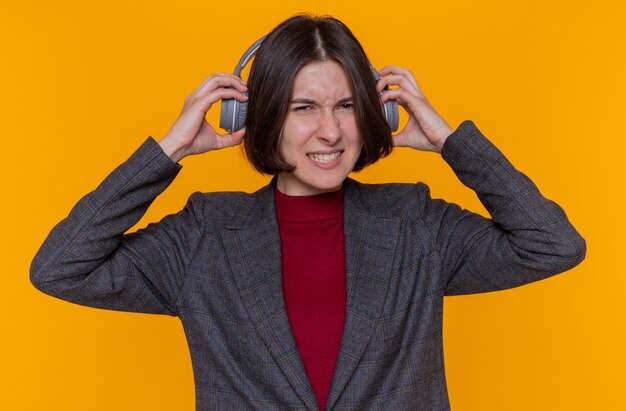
233 112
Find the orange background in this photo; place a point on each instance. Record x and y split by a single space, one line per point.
83 84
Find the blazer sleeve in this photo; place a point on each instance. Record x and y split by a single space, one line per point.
527 238
87 259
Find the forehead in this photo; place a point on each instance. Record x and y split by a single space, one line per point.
324 79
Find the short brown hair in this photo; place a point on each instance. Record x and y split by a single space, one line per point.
294 43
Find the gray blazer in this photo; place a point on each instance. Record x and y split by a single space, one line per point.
216 265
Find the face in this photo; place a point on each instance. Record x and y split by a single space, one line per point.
320 135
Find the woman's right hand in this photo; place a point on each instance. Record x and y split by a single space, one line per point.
191 133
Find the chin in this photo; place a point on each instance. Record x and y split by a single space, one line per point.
328 184
313 181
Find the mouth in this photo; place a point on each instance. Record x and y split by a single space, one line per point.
324 158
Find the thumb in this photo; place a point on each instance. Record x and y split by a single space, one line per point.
399 139
238 135
231 139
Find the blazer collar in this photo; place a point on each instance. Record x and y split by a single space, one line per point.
252 243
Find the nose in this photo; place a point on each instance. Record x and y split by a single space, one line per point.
329 129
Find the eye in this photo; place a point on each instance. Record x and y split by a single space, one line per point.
302 109
346 106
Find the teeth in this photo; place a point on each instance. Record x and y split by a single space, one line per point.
324 158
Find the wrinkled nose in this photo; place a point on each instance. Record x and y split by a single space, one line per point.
329 129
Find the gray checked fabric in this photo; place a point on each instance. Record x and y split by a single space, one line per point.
216 265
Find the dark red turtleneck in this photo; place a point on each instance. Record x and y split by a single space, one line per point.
314 280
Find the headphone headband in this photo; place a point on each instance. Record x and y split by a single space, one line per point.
233 113
248 55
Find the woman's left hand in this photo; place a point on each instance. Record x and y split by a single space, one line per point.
426 130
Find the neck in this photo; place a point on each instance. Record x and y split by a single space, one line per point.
287 186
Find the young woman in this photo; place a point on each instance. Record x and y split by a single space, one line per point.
315 291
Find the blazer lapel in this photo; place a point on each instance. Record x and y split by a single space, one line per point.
370 244
252 243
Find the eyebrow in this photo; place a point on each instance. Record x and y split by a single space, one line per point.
313 102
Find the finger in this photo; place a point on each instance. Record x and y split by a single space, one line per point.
217 76
398 71
225 93
220 80
398 80
204 103
410 102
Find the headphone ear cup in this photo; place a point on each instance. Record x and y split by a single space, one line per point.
227 112
241 112
390 111
233 114
390 108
